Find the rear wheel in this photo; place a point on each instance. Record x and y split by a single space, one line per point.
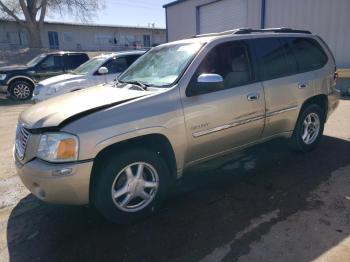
309 128
21 90
132 185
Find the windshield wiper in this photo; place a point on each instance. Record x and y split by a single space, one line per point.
138 83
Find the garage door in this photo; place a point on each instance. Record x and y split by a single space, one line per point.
222 15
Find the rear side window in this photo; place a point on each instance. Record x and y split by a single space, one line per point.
308 52
276 59
75 60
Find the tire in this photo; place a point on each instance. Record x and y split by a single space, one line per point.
21 90
115 179
309 128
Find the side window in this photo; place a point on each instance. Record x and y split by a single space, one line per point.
273 58
308 52
230 60
52 62
116 65
74 60
131 59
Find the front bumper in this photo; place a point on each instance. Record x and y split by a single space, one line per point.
73 189
3 88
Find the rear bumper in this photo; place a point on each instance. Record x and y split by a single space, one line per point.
73 189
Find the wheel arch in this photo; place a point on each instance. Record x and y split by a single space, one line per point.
320 100
156 142
15 78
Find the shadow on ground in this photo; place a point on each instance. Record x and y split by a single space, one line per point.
209 206
6 101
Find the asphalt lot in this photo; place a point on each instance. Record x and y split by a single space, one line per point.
266 203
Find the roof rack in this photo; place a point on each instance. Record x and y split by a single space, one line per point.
250 30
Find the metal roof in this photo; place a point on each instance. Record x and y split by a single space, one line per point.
93 25
173 3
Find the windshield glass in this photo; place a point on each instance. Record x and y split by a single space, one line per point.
162 65
36 60
89 66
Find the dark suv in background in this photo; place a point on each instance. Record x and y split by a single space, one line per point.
19 81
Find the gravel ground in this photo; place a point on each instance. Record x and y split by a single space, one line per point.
266 203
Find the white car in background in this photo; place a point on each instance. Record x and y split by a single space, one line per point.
98 70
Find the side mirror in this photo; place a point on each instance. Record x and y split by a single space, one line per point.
43 65
102 70
208 83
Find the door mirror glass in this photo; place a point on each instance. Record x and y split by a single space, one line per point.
102 70
209 83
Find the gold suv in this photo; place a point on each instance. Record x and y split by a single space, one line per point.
119 147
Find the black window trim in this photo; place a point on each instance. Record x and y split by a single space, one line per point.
253 66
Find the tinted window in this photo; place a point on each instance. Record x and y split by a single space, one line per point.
273 57
52 62
73 61
131 59
116 65
308 52
231 61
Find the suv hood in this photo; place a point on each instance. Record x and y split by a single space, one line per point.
13 68
53 112
60 79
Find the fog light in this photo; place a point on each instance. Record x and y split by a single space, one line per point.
62 172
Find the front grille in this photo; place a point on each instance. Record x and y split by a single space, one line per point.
22 135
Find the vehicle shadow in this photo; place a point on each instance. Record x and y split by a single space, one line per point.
211 204
6 101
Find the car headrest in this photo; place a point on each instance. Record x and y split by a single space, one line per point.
239 64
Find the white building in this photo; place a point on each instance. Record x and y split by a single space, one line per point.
328 18
85 37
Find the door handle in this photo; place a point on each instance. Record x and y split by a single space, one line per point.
253 97
303 85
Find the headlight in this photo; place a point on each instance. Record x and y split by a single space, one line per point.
58 147
2 76
38 89
51 90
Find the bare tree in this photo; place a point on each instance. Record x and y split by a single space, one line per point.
31 13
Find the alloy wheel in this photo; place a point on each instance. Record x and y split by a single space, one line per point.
311 128
21 91
135 187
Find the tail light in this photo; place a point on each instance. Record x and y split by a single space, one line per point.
336 76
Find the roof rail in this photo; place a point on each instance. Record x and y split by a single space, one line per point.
250 30
272 30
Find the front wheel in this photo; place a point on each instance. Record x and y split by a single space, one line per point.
132 185
309 128
21 90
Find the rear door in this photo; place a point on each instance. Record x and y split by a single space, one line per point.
230 117
287 78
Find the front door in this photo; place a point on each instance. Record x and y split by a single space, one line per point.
53 40
52 65
229 117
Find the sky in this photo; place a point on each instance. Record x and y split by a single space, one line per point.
127 12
